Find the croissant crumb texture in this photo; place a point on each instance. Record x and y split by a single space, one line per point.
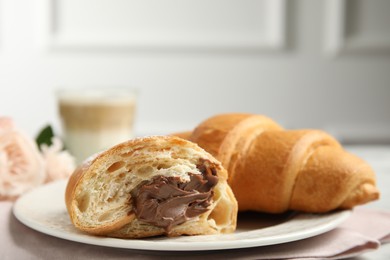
151 186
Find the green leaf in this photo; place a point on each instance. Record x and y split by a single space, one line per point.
45 136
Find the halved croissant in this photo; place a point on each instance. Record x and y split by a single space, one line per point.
152 186
274 170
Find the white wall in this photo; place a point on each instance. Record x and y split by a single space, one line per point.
318 64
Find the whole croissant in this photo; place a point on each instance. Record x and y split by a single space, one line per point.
275 170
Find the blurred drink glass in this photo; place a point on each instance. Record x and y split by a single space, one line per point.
95 119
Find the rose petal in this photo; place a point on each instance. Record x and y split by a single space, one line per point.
22 166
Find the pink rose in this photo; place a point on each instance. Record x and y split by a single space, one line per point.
21 164
59 163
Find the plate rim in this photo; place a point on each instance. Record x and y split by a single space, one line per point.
171 244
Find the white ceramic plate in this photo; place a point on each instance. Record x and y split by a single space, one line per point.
44 210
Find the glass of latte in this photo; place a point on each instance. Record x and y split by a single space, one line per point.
94 119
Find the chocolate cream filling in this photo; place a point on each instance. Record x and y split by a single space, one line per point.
167 201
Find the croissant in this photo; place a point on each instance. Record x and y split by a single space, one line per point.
151 186
275 170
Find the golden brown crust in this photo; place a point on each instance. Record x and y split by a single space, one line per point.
212 132
275 170
184 135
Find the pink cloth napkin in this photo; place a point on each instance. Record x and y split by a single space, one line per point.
364 230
